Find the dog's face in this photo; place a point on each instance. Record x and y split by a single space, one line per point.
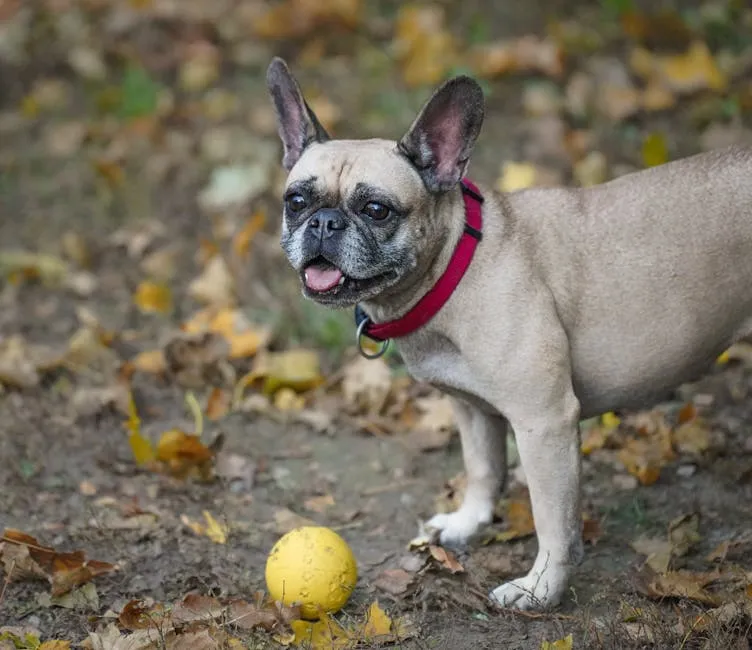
360 216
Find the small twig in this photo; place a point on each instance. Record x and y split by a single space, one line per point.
379 489
6 582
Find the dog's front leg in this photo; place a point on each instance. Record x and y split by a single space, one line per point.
483 438
548 443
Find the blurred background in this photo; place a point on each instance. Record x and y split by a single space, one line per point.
154 113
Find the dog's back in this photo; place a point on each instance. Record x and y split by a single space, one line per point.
651 273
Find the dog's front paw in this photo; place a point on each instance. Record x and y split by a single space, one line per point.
456 528
536 591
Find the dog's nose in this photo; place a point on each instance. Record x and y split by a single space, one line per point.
327 221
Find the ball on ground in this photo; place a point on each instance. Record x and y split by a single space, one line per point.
314 567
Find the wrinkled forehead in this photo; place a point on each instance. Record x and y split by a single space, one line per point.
340 165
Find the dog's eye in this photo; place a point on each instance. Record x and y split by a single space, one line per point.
377 211
295 202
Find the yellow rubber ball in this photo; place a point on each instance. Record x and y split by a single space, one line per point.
313 567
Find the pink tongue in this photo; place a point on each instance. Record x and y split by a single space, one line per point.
319 279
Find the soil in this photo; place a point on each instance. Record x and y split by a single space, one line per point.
59 465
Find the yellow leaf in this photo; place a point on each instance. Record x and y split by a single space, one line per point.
195 409
324 634
567 643
654 150
297 369
723 358
151 361
242 241
377 623
516 176
215 531
153 297
244 340
55 644
694 70
519 519
218 404
142 449
286 399
610 420
184 453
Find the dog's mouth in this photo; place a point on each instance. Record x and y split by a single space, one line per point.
324 280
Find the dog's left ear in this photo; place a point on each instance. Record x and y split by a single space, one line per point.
297 124
441 138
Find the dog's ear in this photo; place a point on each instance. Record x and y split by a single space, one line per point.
441 138
298 126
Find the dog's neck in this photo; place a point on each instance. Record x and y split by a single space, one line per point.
449 212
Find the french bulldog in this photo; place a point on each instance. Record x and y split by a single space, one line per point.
574 301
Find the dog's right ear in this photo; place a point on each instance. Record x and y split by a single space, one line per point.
298 126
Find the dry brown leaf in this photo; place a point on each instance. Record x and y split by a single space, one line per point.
215 286
150 361
658 552
198 360
366 384
218 403
22 553
683 533
518 517
677 584
591 530
142 615
244 339
692 437
445 558
183 454
395 582
319 503
213 529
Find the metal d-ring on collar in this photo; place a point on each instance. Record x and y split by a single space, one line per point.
362 320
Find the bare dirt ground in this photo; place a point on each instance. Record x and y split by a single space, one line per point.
100 172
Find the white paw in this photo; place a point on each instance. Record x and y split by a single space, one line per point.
456 528
536 591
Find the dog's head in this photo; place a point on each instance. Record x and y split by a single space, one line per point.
362 217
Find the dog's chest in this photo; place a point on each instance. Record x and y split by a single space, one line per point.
442 366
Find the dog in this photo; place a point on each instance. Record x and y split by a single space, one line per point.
533 309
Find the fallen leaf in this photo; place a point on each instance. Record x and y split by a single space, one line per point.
142 615
143 451
677 584
212 529
242 240
658 552
55 644
23 265
84 598
566 643
150 361
218 403
445 558
694 70
654 150
23 556
366 384
235 186
683 533
436 424
395 582
184 454
215 286
692 437
197 360
244 339
298 18
319 503
518 517
297 369
377 624
591 530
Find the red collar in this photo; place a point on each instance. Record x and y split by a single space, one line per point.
430 304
